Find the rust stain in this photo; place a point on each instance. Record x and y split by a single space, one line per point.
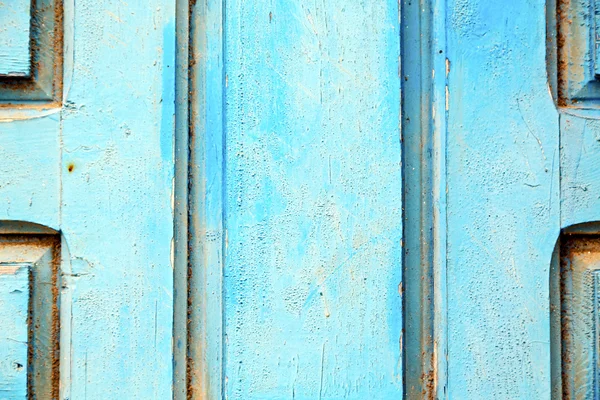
43 378
55 331
70 167
428 377
572 245
562 62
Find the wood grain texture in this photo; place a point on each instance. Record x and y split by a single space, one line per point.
580 175
100 170
15 55
580 263
116 201
424 130
313 201
14 314
503 200
207 196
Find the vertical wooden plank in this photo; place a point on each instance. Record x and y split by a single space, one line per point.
503 200
15 56
424 138
580 176
207 193
313 205
596 36
117 131
14 314
580 259
181 184
30 184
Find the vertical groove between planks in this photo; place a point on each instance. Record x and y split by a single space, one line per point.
206 220
424 96
180 254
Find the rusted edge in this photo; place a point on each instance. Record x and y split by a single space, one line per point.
562 64
181 240
569 243
36 388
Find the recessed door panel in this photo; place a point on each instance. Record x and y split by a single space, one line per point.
15 17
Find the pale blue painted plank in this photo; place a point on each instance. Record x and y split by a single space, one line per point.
313 201
117 215
15 16
596 333
181 247
503 200
207 236
580 187
29 177
14 312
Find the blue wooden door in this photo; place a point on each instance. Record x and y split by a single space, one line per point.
294 199
200 200
86 138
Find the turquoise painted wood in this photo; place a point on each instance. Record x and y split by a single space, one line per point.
15 17
116 176
306 200
96 164
503 200
313 201
14 305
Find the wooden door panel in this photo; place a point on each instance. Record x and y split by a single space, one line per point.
14 314
503 210
312 209
14 38
93 160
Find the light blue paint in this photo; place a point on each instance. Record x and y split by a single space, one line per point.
503 200
30 184
181 185
168 96
99 168
14 306
296 196
596 39
15 57
580 183
207 236
313 201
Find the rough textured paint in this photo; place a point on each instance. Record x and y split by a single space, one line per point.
116 212
14 301
296 196
580 175
580 204
100 170
503 200
424 74
15 16
580 263
207 238
313 201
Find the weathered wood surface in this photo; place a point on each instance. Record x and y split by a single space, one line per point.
15 17
313 201
100 170
14 305
503 200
